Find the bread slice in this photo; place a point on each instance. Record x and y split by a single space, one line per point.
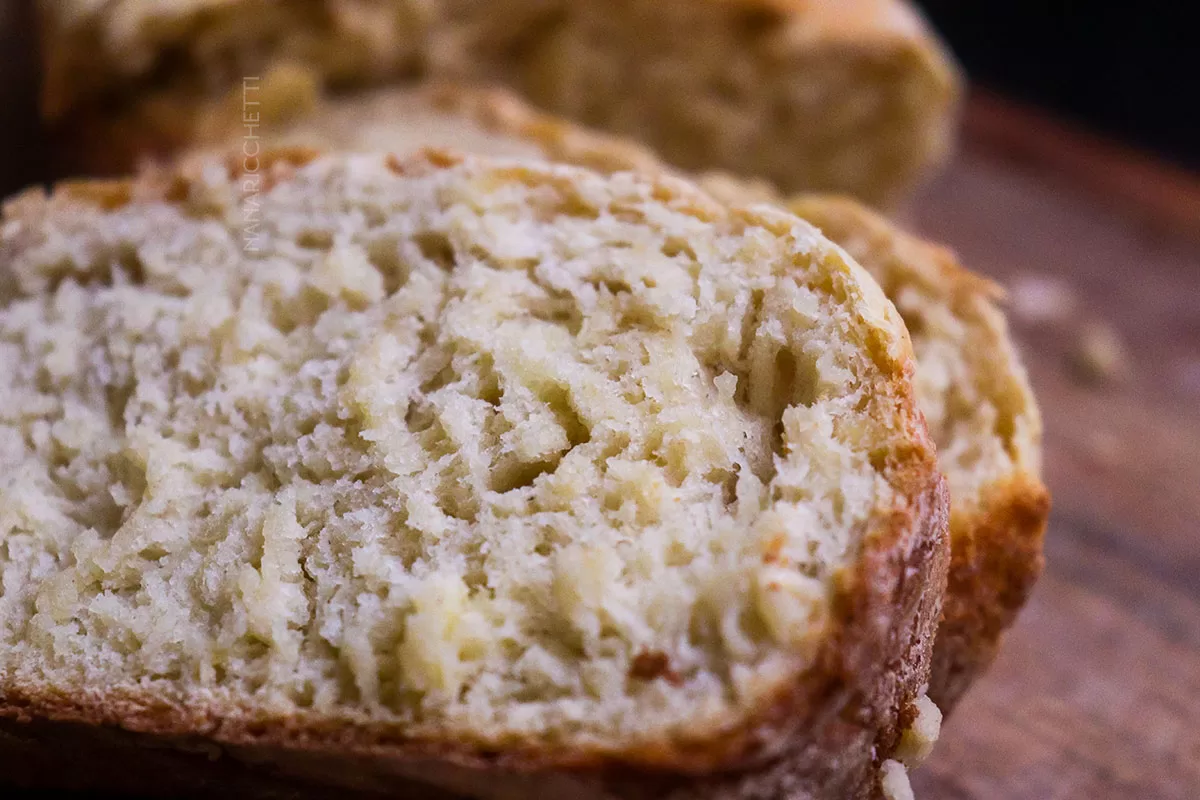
984 418
853 96
970 382
492 475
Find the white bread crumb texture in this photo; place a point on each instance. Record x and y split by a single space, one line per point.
918 739
492 448
894 781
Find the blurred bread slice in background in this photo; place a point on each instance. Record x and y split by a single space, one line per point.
105 55
849 96
853 96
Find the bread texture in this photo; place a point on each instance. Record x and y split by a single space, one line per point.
971 385
856 97
491 475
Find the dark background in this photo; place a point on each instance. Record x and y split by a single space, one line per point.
1130 70
22 154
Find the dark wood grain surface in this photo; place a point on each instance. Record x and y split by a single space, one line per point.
1097 692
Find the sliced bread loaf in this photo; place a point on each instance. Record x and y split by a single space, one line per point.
970 382
497 477
855 97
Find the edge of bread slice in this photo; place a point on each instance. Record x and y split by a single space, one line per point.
983 416
830 636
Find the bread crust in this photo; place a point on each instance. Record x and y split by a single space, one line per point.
160 128
996 559
822 734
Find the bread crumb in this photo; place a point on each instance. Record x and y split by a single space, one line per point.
1100 355
917 741
1040 299
894 781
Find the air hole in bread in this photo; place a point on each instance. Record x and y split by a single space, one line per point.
436 247
384 254
315 239
676 246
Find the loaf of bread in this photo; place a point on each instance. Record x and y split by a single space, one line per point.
502 478
853 96
970 382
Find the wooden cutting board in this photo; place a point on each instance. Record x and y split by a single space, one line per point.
1097 692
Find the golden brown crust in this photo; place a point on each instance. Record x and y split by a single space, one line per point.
159 128
823 734
899 256
996 558
501 112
